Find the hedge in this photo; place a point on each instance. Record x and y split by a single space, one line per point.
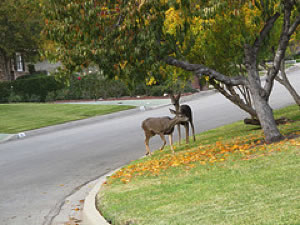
41 88
31 89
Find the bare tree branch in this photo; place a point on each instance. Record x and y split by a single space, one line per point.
234 98
200 70
294 26
265 31
287 31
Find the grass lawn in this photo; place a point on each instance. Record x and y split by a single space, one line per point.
21 117
229 176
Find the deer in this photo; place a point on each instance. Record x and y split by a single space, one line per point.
162 126
187 111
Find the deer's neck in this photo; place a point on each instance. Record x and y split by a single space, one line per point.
173 122
177 107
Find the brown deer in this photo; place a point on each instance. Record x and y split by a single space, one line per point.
185 110
162 126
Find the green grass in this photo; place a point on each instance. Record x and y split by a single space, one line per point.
22 117
242 185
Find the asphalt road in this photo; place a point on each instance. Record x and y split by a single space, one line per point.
38 172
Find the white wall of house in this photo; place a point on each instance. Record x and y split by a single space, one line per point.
46 66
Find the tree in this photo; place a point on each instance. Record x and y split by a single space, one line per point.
126 37
282 77
20 26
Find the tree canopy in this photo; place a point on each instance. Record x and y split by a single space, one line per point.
20 27
223 40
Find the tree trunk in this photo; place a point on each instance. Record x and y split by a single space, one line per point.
263 110
267 121
286 83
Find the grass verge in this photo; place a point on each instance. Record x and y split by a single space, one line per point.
21 117
229 176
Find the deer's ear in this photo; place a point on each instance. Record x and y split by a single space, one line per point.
178 96
172 111
172 97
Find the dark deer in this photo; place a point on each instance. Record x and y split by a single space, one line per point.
162 126
185 110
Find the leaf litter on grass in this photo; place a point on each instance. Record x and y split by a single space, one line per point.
248 147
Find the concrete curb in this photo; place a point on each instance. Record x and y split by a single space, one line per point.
90 215
8 137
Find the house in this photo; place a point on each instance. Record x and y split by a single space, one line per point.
19 67
11 69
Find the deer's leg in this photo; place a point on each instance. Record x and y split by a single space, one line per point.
171 142
186 126
162 136
147 145
193 130
179 133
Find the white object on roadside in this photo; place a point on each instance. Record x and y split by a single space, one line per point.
142 108
21 135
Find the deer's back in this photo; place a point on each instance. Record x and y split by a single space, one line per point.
186 110
157 125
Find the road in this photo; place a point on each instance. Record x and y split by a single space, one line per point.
38 172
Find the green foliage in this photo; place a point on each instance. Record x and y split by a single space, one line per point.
92 86
13 97
37 86
5 91
30 76
119 37
32 89
130 39
20 26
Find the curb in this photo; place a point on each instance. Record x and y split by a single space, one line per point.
9 137
90 215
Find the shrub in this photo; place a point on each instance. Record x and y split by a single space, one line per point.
33 89
5 91
51 96
36 86
35 98
157 90
93 86
13 97
32 75
31 68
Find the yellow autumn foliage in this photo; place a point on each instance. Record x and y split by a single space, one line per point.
173 20
248 15
150 81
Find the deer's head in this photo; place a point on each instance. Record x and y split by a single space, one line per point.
179 116
175 99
